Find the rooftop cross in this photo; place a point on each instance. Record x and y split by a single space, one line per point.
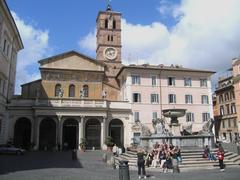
109 8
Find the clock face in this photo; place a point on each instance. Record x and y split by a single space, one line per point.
110 53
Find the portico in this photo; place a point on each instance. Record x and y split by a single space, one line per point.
53 127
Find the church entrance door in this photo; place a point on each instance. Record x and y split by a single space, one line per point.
22 133
47 134
70 133
116 131
93 134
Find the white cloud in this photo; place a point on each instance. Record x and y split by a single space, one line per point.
88 43
206 36
168 8
35 47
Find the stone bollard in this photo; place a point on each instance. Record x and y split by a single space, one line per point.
123 170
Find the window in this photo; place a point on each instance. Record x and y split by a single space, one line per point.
154 98
205 116
224 136
136 117
85 91
58 90
221 98
71 90
108 37
154 80
228 109
154 115
136 97
226 97
229 123
136 79
223 123
3 86
111 37
0 125
187 82
4 45
203 82
189 117
188 99
114 24
235 123
172 98
205 99
106 23
232 95
221 110
7 52
171 81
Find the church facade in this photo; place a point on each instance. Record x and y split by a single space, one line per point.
79 97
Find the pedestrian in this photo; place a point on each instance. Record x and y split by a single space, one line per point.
220 155
175 161
141 163
149 159
115 150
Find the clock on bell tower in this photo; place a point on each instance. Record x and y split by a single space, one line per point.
109 36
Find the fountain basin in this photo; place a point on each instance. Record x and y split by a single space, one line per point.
174 113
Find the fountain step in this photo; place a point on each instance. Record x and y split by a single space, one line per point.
191 159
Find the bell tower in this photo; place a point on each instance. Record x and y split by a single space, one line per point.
109 36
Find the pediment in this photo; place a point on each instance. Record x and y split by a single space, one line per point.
72 61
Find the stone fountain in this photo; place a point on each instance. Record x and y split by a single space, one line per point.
174 114
173 134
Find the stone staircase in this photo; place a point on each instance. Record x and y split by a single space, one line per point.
191 159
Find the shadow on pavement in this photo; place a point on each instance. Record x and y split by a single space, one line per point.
37 160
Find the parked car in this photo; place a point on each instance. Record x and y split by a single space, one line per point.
10 149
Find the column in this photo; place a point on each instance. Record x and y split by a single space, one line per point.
33 130
59 132
103 131
36 129
81 129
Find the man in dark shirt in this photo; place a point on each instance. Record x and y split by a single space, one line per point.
141 163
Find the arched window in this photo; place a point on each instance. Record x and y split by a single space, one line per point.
106 23
71 90
85 91
114 24
108 37
57 90
111 37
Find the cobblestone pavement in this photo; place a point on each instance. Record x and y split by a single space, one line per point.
60 166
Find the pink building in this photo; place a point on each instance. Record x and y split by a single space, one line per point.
151 89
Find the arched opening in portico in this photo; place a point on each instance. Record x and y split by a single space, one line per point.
22 133
93 134
70 134
116 131
47 134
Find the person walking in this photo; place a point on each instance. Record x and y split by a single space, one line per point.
220 155
141 163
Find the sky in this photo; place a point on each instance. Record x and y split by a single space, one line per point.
199 34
